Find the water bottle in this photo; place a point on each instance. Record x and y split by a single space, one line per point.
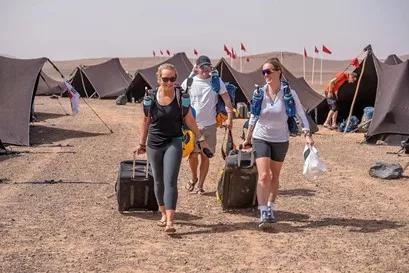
185 99
215 80
257 100
147 103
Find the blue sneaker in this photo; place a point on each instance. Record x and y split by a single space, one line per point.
265 219
270 215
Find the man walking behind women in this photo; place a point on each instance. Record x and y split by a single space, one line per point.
204 99
268 134
162 131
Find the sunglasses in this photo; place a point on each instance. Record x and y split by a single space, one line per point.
205 67
166 79
268 71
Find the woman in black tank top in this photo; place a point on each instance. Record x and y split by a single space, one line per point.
162 127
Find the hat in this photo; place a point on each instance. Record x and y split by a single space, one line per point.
203 60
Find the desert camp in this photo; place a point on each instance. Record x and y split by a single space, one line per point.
152 137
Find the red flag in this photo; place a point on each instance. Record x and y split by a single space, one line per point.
168 52
355 62
242 47
195 52
233 54
226 49
305 53
161 52
248 59
326 50
316 50
154 53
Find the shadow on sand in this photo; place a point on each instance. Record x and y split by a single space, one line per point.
40 134
44 116
291 223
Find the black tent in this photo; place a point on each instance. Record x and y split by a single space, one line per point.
390 121
392 59
366 94
147 77
245 82
104 80
18 83
48 86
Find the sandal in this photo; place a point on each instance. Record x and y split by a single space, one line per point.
200 191
169 227
162 222
190 186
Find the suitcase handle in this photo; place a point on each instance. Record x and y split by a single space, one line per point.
133 167
239 159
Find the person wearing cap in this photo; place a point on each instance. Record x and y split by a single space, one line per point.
268 136
331 94
203 100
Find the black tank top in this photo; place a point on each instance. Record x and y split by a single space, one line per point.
166 123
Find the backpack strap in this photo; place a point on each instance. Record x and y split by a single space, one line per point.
189 83
148 100
183 99
288 100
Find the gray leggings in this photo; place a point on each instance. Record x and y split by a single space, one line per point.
165 163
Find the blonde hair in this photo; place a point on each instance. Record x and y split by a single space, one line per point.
163 67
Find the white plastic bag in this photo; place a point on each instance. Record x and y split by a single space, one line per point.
313 166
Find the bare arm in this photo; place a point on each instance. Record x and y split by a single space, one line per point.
142 142
229 109
252 123
191 123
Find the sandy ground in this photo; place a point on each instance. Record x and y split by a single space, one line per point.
345 221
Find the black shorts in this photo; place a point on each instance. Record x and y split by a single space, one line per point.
332 103
276 151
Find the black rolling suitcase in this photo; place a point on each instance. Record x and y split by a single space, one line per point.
134 189
237 185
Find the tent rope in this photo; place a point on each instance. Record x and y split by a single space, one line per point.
103 122
56 68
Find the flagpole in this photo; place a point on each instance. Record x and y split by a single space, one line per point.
303 67
321 69
281 57
313 67
241 60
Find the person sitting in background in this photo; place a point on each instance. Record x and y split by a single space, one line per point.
331 94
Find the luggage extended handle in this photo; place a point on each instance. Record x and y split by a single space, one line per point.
239 159
133 167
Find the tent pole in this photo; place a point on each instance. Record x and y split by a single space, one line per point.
55 67
355 95
46 83
82 80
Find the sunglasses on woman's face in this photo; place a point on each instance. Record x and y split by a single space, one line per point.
268 71
166 79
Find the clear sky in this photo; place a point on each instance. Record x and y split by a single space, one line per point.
75 29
